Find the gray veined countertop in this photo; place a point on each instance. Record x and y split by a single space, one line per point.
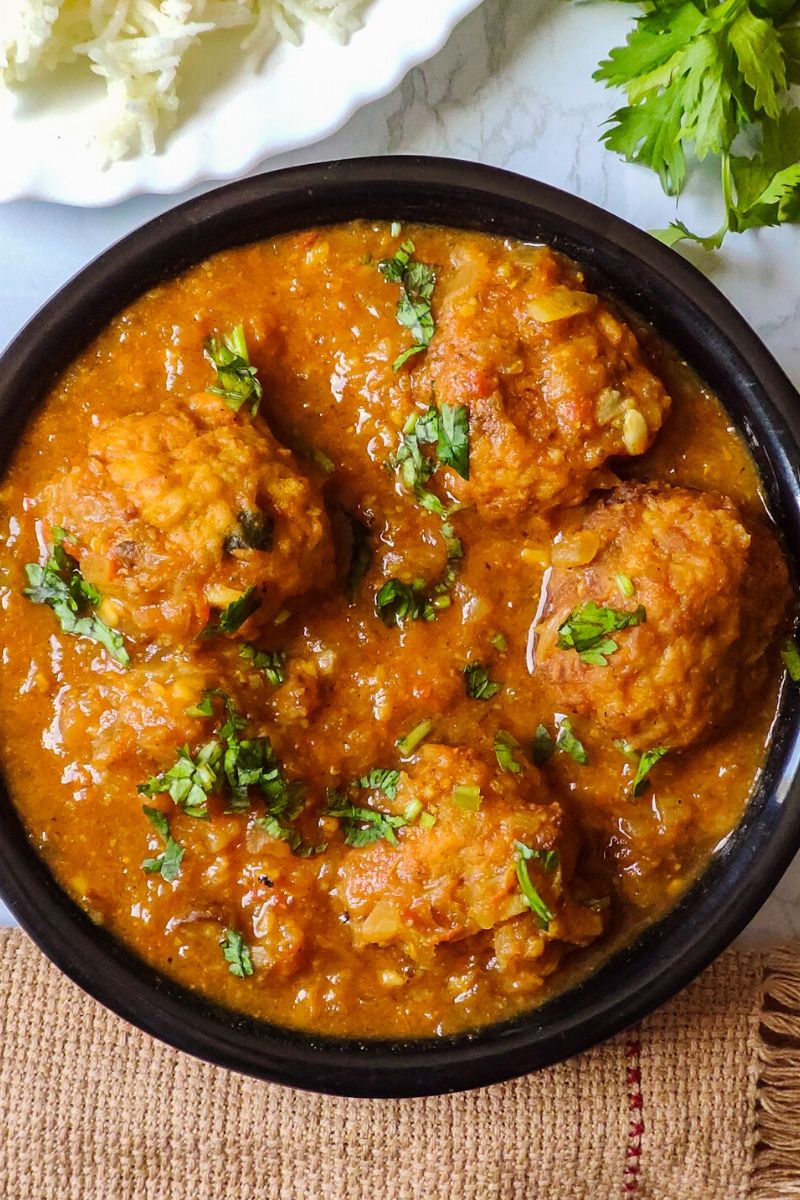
512 88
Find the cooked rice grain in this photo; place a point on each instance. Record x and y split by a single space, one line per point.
137 47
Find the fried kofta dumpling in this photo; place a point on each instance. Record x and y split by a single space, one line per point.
459 876
683 601
175 516
554 381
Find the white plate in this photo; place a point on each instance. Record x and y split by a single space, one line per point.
229 121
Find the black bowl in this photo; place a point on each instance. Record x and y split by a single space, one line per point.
691 314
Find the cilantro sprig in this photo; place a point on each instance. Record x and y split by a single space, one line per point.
645 761
363 826
236 953
234 615
271 663
242 771
588 630
524 854
237 379
60 585
168 863
417 281
699 75
360 825
479 685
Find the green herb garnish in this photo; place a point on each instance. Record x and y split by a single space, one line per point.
254 531
568 743
409 742
417 281
60 585
234 615
233 767
236 953
168 863
543 746
587 630
467 796
190 781
522 856
397 602
478 684
700 77
271 662
504 746
446 430
237 381
363 826
500 642
647 760
625 585
791 659
383 778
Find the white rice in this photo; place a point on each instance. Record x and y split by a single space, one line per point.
137 47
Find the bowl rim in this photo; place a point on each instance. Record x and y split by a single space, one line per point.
691 313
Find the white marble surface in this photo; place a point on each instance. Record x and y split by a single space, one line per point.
512 88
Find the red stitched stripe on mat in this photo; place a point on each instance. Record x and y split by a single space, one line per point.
633 1153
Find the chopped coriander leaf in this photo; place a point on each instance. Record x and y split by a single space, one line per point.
362 826
452 447
230 766
237 381
234 615
413 311
168 863
467 796
393 269
271 662
281 832
203 708
236 953
522 855
568 743
254 531
190 781
412 810
791 658
543 746
383 778
587 630
446 429
397 602
409 742
60 585
453 543
625 585
500 642
361 557
427 820
504 746
647 760
478 684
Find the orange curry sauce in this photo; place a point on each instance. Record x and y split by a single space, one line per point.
427 931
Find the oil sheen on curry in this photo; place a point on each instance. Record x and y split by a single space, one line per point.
375 606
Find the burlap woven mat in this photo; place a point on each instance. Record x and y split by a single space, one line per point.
700 1102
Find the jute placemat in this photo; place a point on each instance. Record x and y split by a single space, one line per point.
700 1102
